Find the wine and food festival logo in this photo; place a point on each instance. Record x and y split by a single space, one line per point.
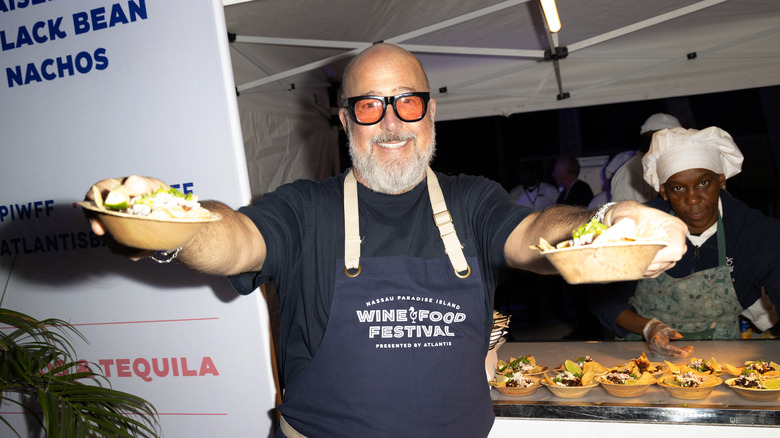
405 321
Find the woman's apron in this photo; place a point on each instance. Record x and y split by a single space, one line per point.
404 349
703 305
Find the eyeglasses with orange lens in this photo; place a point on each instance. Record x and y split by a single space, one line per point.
409 107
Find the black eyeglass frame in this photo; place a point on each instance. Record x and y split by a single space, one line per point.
389 100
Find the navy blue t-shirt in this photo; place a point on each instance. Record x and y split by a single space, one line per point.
303 227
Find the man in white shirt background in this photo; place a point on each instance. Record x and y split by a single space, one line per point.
532 191
628 184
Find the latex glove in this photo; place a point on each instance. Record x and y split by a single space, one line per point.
658 336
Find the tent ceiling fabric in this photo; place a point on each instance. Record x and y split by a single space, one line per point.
489 54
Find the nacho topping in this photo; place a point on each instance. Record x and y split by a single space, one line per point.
762 367
687 380
595 233
619 376
749 380
759 366
586 233
643 364
706 366
567 378
522 364
162 204
519 381
628 377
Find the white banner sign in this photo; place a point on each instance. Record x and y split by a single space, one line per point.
93 89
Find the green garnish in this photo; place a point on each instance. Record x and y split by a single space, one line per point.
147 199
593 227
516 363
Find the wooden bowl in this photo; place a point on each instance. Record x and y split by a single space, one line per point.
518 392
603 263
569 391
690 393
754 394
624 390
145 233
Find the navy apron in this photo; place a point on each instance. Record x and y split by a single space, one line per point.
403 352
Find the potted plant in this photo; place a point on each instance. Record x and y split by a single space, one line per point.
39 372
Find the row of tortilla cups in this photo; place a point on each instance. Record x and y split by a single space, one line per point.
638 389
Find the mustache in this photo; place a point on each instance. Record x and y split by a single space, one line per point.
386 137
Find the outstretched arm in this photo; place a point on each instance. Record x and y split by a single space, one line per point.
228 246
556 224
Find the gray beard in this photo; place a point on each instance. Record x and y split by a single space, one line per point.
398 176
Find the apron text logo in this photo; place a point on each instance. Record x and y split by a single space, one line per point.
411 331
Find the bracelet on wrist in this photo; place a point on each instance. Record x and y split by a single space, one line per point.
165 256
601 213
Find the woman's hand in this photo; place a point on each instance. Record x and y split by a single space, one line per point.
658 335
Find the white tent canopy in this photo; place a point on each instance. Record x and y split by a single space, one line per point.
487 57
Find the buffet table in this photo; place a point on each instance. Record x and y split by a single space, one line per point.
647 415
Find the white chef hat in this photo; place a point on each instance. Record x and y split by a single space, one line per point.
659 121
679 149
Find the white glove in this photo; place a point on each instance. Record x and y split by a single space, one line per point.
658 336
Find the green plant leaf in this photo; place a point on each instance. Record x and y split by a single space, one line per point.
37 362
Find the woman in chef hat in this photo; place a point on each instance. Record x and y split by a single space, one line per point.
733 250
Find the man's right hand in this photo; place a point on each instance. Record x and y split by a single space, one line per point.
135 185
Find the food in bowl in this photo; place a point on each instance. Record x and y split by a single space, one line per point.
522 365
750 380
710 366
170 220
516 384
754 386
626 377
568 384
689 379
642 364
160 204
690 385
700 366
514 380
619 253
626 382
595 233
571 375
584 364
637 371
762 367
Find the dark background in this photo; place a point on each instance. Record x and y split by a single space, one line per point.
495 146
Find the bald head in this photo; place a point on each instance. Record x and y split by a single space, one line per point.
390 155
375 59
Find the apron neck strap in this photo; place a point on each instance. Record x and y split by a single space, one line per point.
351 227
441 218
721 242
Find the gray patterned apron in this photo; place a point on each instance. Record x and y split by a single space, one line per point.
703 305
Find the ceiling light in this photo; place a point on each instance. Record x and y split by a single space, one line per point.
232 2
551 15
